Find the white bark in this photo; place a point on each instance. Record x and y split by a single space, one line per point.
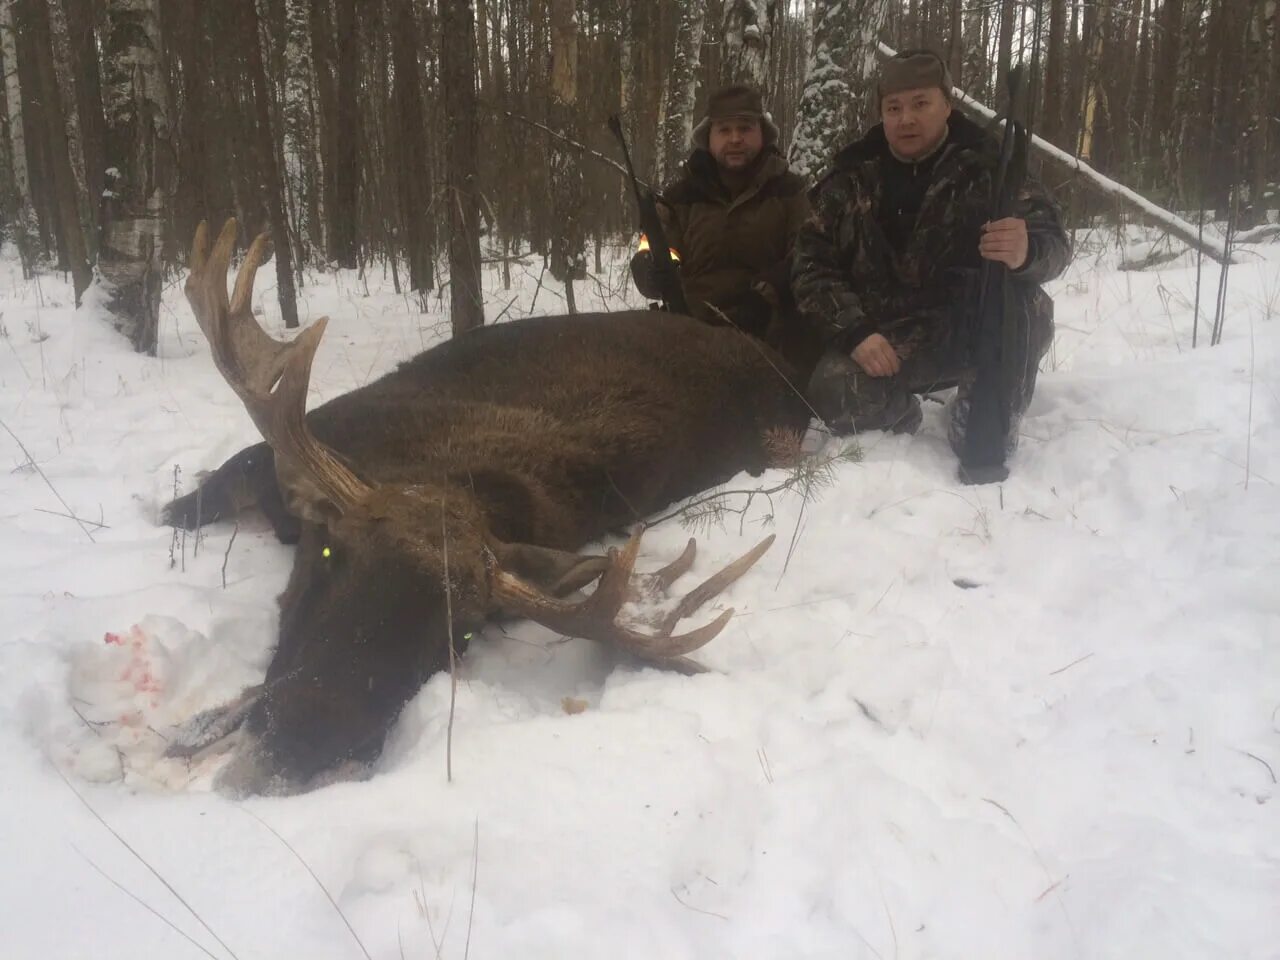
626 65
842 44
748 37
26 223
682 86
137 106
299 131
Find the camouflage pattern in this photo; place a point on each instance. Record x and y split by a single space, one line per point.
850 400
849 281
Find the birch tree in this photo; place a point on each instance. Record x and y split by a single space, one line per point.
302 188
141 160
567 262
748 29
682 86
24 225
457 47
842 64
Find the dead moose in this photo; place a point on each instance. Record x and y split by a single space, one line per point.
454 490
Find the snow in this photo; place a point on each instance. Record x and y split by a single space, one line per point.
1034 720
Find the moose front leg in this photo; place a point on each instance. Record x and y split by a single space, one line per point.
211 730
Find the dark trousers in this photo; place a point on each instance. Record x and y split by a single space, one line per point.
850 400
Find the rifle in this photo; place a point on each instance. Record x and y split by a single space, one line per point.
668 273
983 453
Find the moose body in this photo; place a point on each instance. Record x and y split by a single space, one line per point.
454 489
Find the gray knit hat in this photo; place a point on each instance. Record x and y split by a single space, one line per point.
911 70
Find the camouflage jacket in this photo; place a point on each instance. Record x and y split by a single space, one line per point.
849 281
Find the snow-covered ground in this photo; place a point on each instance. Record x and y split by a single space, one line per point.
1038 720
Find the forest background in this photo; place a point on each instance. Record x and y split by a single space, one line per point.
429 137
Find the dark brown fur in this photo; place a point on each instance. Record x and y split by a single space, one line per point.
551 431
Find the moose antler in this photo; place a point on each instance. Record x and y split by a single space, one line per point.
595 618
269 376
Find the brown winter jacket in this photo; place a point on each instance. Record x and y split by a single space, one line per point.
730 246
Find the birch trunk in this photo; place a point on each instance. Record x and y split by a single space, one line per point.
838 82
567 263
458 72
301 183
748 28
141 170
682 86
24 224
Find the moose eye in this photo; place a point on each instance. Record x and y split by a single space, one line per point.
326 552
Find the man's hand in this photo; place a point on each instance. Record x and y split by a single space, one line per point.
1005 241
876 356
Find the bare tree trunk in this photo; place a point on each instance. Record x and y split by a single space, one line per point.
299 168
1139 106
973 78
327 96
82 34
60 44
838 81
682 86
32 19
412 150
457 50
1265 121
24 225
748 28
482 44
955 44
141 193
627 63
1055 72
567 262
266 150
1004 57
346 134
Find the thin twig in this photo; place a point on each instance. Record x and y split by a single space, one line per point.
227 554
1248 426
1252 756
568 141
709 913
1039 859
71 516
146 906
475 870
538 289
323 889
36 467
142 860
453 654
1054 673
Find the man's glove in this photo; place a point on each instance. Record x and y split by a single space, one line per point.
645 274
